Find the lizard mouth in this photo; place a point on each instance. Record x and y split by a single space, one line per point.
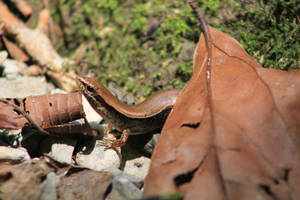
83 86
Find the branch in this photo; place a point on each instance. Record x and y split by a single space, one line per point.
38 45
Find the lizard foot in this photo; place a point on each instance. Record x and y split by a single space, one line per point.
119 142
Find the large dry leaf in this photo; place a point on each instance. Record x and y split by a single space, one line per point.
235 138
46 179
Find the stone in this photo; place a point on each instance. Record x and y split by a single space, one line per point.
120 93
118 174
3 56
138 166
123 189
134 160
59 149
49 186
149 146
94 156
24 86
13 67
14 155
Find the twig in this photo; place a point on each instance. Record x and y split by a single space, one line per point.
37 45
29 119
204 26
23 7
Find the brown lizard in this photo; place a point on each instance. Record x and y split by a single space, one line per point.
146 117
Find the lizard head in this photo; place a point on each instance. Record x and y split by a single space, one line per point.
86 85
96 94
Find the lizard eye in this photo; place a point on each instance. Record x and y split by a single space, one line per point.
90 89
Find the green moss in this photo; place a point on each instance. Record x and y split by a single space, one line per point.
115 32
269 31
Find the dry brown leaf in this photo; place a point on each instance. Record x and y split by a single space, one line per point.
240 143
45 110
36 179
7 122
84 184
22 181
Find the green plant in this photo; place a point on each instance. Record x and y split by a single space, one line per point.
270 32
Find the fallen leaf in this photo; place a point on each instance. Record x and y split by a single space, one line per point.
45 110
84 184
22 181
233 137
8 122
47 179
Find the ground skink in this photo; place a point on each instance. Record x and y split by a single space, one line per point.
146 117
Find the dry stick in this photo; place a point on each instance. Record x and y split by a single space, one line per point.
204 27
29 119
208 44
23 7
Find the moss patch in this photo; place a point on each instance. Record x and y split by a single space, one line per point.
148 45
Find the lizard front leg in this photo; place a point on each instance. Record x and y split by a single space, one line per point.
120 142
113 144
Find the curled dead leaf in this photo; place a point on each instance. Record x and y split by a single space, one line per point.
45 110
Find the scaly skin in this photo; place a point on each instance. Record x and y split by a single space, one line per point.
146 117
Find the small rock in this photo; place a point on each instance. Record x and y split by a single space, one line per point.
15 155
118 174
138 166
13 67
49 186
134 160
120 94
57 91
24 86
3 56
149 147
94 156
122 188
60 149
